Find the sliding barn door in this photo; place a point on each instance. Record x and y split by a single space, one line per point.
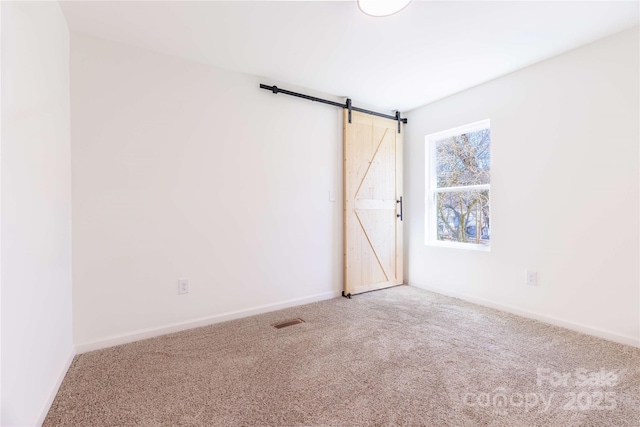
372 192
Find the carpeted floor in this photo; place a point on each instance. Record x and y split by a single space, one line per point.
401 356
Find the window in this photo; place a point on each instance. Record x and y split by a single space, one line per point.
458 178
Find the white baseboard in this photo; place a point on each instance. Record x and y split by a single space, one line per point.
54 390
203 321
567 324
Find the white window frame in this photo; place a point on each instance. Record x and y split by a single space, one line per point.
431 223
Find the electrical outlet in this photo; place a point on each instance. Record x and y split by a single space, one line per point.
532 278
332 196
183 286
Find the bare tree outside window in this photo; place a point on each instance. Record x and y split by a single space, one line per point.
460 180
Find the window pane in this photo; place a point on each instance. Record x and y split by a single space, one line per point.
463 217
463 159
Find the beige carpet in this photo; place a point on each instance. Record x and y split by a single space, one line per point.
400 356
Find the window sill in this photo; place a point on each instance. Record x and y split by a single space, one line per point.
455 245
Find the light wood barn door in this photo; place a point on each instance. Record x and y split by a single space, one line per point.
372 189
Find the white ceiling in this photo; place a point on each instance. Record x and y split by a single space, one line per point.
426 52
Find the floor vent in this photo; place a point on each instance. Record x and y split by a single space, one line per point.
288 323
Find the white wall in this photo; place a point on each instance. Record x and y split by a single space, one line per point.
564 191
181 170
35 227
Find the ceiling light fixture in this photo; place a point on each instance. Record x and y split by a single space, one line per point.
382 7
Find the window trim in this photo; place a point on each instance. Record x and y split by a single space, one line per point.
431 225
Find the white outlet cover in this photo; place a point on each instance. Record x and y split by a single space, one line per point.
183 286
532 278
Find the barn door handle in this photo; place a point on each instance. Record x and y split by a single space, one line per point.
400 214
